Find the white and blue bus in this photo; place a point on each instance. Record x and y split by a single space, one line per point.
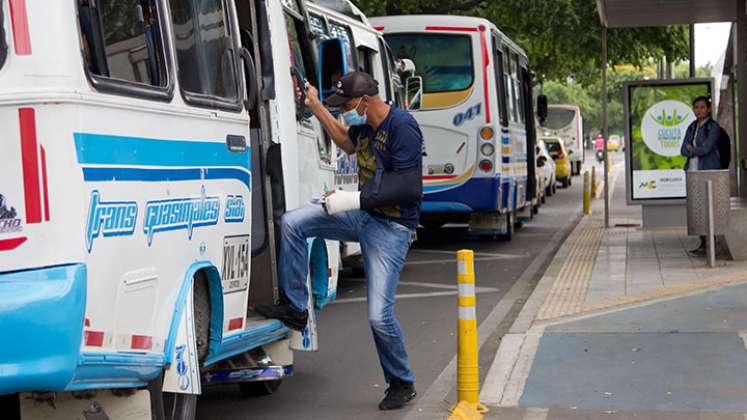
472 99
149 149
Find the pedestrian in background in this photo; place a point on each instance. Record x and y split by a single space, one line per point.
700 146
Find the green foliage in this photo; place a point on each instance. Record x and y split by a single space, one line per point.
562 37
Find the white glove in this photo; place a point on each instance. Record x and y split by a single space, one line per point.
342 201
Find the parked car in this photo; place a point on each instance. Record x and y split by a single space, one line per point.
559 154
546 167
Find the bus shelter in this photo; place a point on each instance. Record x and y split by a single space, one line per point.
732 94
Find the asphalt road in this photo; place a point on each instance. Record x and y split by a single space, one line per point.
344 380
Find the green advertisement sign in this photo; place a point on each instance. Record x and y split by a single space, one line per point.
658 114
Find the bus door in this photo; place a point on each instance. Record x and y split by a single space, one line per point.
515 150
531 136
268 202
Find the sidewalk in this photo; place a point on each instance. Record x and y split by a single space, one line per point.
625 324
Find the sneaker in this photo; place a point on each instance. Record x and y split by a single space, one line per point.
398 394
293 319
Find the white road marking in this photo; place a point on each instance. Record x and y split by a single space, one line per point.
412 296
501 368
477 254
533 413
477 259
433 285
514 388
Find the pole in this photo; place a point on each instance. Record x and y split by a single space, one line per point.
605 127
468 381
692 50
594 182
587 193
711 238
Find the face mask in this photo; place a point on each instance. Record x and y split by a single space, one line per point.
353 118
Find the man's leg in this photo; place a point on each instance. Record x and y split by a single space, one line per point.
298 225
384 245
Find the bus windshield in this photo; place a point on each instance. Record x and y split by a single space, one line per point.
559 118
444 61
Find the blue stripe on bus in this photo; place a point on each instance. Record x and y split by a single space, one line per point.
100 149
104 174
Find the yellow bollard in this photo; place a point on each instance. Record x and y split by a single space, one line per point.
587 194
594 181
468 375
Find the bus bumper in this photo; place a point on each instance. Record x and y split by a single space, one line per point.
475 195
41 325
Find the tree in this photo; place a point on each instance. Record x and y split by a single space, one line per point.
561 37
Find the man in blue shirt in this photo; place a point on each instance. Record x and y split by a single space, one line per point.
382 215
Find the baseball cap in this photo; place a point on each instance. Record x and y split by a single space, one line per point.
352 85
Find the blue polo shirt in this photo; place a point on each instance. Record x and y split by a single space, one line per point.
397 144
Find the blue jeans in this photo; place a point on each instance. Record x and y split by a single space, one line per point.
384 245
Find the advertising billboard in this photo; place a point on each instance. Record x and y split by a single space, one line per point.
658 113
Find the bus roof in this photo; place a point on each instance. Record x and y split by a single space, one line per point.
423 23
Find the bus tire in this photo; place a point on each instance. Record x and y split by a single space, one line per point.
170 406
201 299
259 388
10 406
510 226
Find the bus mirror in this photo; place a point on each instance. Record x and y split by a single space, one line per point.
414 89
332 65
542 108
406 67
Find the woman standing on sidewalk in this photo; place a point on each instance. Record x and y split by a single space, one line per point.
700 146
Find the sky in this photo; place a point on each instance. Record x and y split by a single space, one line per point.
710 42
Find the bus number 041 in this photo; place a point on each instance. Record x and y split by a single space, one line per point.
471 113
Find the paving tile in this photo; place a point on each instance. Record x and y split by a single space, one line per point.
635 372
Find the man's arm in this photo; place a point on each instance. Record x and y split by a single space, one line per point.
336 130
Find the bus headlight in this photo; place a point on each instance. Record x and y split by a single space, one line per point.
486 133
487 149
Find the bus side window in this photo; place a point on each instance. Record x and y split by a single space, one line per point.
337 30
507 86
121 40
518 91
365 58
387 65
300 48
205 50
499 72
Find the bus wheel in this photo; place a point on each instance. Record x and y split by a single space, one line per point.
260 388
10 406
170 406
510 225
201 299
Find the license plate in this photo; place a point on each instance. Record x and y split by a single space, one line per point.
235 273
